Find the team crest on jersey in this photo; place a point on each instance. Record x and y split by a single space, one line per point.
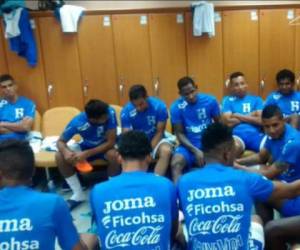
100 131
276 96
247 107
182 105
151 120
132 113
84 127
295 106
201 113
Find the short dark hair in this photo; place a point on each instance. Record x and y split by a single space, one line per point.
285 74
182 82
96 108
16 160
214 135
235 75
137 91
6 77
134 145
270 111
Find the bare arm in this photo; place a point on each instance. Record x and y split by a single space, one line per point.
294 120
259 158
24 125
285 190
229 120
160 129
253 118
183 139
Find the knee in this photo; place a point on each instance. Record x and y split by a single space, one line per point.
165 150
111 155
59 157
272 229
177 162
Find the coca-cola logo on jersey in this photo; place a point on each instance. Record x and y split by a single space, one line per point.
146 235
221 225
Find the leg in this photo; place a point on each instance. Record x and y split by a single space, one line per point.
239 146
177 165
114 167
281 231
90 241
69 173
164 155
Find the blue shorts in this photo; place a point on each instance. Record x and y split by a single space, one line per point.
252 141
188 156
291 207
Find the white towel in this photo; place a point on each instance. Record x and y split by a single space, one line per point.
12 23
69 16
203 19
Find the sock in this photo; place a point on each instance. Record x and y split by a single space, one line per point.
75 185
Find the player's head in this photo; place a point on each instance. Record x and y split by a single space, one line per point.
285 81
134 146
8 87
96 111
218 143
238 84
16 162
187 89
138 97
273 121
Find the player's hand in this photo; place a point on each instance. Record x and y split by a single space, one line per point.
69 156
199 158
80 156
237 165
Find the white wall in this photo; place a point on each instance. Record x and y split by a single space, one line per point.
116 5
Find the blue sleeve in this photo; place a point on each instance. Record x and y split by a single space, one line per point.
215 109
269 100
30 110
260 187
290 153
258 104
112 120
125 120
65 230
267 145
175 115
70 130
226 107
162 113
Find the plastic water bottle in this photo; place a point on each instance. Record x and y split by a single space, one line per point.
51 186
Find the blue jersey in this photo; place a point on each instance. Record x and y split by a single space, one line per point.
286 150
92 135
15 112
289 104
135 210
194 117
216 202
33 220
147 120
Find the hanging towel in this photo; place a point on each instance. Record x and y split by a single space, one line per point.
203 19
24 44
69 17
12 23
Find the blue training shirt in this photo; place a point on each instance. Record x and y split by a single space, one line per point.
194 117
216 202
289 104
33 220
92 135
135 210
286 150
147 120
15 112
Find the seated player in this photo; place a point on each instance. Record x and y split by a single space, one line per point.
190 115
286 98
242 112
97 128
16 112
149 114
217 199
30 219
135 210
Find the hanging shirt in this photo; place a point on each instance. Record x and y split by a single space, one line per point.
286 150
92 135
12 23
147 120
217 201
194 117
131 213
289 104
15 112
34 220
